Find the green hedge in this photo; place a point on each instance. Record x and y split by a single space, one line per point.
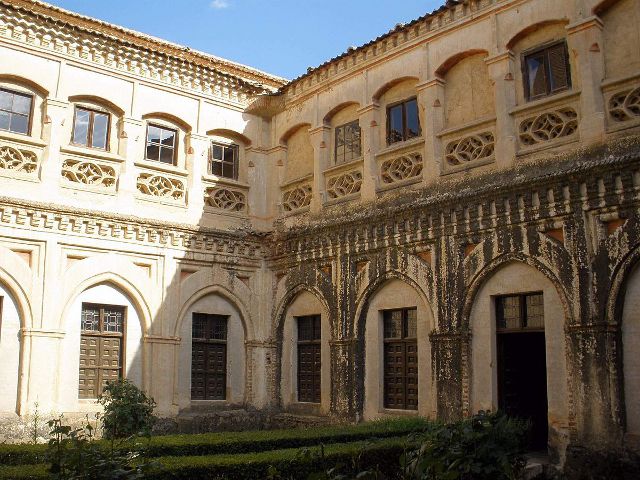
384 453
238 442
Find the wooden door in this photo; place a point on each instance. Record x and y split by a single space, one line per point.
309 359
208 357
400 359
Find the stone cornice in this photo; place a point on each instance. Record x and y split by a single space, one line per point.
47 217
38 25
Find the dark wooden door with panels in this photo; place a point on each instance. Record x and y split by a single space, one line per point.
309 359
400 359
209 357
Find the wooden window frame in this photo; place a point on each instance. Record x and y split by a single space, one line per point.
315 341
92 112
544 49
102 334
405 136
335 143
236 159
522 313
212 341
405 339
175 144
29 116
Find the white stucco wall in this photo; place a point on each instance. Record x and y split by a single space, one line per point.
9 351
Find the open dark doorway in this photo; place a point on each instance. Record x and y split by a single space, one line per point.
522 366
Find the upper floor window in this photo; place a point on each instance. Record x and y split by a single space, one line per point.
522 311
161 144
91 128
546 71
403 121
15 111
347 146
223 160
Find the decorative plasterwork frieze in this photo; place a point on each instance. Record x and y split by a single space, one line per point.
35 216
164 64
89 173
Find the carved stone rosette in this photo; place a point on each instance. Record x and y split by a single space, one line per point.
89 173
548 126
19 161
625 106
297 198
345 184
470 149
161 187
225 199
401 168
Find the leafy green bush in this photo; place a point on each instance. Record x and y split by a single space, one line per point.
484 447
128 410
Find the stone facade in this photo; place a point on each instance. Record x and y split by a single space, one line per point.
494 194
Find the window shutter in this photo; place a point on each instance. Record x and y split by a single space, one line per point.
558 67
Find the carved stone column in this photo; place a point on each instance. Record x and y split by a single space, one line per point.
450 356
320 140
343 395
502 72
432 118
586 45
596 410
55 116
197 157
368 117
158 356
132 149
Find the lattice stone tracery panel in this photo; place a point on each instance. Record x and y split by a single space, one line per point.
345 184
297 198
467 150
625 106
22 161
401 168
89 173
160 186
226 199
548 126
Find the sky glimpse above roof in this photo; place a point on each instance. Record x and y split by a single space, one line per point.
281 37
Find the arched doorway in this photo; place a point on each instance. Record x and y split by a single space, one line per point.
631 353
518 351
397 362
9 350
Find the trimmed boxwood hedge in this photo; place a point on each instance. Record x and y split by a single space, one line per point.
238 442
384 453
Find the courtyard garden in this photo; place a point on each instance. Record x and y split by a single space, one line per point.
486 446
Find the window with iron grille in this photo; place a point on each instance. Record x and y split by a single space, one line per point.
347 142
309 358
546 71
400 358
403 121
161 144
208 357
102 331
91 128
223 160
520 312
15 111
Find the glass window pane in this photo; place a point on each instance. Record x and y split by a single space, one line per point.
395 124
393 324
100 128
153 152
216 151
22 104
216 168
168 138
536 75
413 121
227 170
90 318
6 100
229 154
412 323
81 127
508 309
5 119
113 320
153 134
19 123
535 311
166 155
339 136
198 325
